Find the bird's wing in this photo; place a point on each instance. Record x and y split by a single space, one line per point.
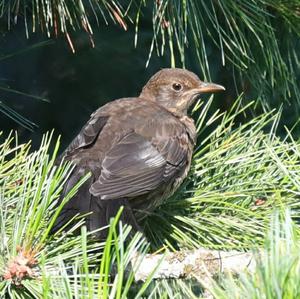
87 135
136 165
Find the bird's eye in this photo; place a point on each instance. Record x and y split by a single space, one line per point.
177 86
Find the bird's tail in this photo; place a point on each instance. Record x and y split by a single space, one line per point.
80 203
98 211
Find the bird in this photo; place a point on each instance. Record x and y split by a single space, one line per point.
138 151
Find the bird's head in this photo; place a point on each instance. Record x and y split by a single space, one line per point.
176 89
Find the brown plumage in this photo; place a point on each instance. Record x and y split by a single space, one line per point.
138 150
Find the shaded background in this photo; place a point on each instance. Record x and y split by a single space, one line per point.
77 84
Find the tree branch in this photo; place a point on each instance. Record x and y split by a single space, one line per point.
200 264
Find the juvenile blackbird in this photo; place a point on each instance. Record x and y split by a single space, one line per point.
138 151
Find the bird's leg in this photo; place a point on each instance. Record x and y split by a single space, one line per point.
127 216
107 209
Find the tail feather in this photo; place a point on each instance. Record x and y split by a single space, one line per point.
80 203
99 211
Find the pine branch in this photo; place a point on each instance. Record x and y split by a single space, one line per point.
199 263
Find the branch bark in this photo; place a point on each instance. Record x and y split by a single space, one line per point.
200 264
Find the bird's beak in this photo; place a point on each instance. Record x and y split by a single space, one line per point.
205 87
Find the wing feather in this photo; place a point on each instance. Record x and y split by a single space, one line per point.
136 165
87 135
132 167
